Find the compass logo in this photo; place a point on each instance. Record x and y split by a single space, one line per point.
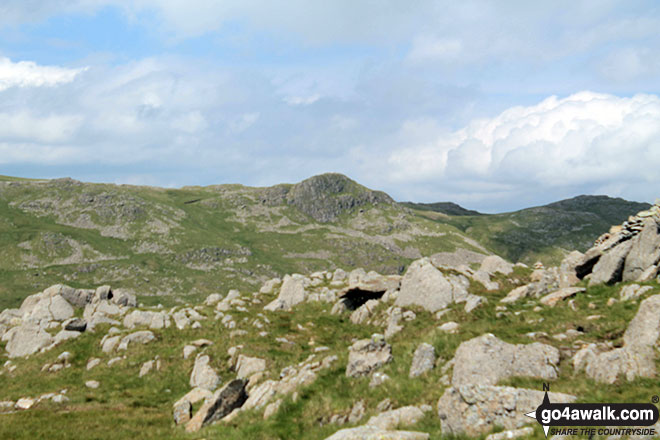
570 416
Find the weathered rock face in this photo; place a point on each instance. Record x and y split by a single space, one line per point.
291 294
367 355
477 409
486 360
425 286
637 356
423 360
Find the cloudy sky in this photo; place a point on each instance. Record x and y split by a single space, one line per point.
495 105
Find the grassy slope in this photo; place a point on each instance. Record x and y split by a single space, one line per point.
126 406
204 251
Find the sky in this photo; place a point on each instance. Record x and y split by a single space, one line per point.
495 105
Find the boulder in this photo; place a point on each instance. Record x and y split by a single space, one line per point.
76 325
486 360
223 402
637 356
633 291
182 412
203 375
474 410
609 268
26 340
292 293
553 298
367 355
404 416
153 320
425 286
423 360
246 366
141 337
567 273
493 264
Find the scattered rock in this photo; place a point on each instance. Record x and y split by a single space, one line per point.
203 375
93 384
567 292
367 355
423 360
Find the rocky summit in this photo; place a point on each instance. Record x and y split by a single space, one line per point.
456 342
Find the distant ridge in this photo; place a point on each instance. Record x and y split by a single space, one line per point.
449 208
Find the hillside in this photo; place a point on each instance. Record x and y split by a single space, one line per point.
170 245
549 232
443 351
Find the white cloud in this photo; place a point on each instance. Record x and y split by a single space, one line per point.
30 74
24 125
586 140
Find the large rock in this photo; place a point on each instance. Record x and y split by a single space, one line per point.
153 320
374 433
141 337
493 264
637 356
567 274
476 409
26 340
203 375
292 293
553 298
486 360
246 366
609 268
644 251
404 416
423 360
425 286
223 402
367 355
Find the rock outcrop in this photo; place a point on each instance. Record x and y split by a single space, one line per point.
476 409
637 356
426 286
629 252
486 360
367 355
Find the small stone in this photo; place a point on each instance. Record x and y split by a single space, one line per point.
93 363
93 384
24 403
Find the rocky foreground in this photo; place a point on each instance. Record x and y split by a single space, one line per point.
466 331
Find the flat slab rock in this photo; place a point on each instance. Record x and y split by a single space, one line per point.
374 433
